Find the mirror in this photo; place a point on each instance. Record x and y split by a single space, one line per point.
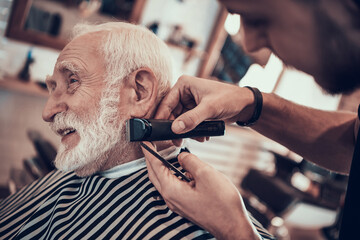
49 22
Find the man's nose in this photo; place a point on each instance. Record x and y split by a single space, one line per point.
53 106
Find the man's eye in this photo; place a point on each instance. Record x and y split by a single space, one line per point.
255 23
73 80
73 84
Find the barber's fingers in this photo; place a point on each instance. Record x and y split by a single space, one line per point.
158 173
193 164
177 142
178 110
199 139
190 119
149 163
170 102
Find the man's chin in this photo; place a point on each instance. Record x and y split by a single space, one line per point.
66 167
337 87
81 171
69 159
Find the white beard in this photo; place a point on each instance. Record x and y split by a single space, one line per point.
98 135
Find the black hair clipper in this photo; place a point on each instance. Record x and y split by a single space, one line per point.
158 130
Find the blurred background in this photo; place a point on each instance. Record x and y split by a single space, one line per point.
291 197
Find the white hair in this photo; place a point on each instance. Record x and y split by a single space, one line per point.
127 47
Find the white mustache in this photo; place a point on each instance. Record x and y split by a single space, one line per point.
66 120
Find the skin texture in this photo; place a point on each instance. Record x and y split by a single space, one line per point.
77 87
292 29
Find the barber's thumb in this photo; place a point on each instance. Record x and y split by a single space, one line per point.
189 120
179 126
190 163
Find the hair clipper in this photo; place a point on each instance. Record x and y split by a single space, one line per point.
157 130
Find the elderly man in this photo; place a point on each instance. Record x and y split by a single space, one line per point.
108 73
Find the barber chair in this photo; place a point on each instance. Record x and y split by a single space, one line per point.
273 192
45 150
280 195
34 167
4 192
42 163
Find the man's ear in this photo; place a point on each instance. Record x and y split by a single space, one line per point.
144 87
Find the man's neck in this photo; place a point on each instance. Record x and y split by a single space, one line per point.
119 155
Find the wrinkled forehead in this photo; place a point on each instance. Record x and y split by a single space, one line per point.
82 53
83 46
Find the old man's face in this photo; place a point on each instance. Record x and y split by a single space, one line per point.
77 110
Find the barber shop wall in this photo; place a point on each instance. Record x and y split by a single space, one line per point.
15 54
301 88
196 26
20 111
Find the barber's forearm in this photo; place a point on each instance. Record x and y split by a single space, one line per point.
326 138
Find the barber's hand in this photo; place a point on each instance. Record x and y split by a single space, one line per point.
210 200
193 100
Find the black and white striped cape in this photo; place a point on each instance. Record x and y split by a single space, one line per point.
65 206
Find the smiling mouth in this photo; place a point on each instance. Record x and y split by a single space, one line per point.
65 132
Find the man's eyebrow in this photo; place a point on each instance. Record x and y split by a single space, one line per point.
67 66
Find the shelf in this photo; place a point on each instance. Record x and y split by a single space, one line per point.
30 88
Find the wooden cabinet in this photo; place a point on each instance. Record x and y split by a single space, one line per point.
69 13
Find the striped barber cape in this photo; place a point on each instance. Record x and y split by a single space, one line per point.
62 205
